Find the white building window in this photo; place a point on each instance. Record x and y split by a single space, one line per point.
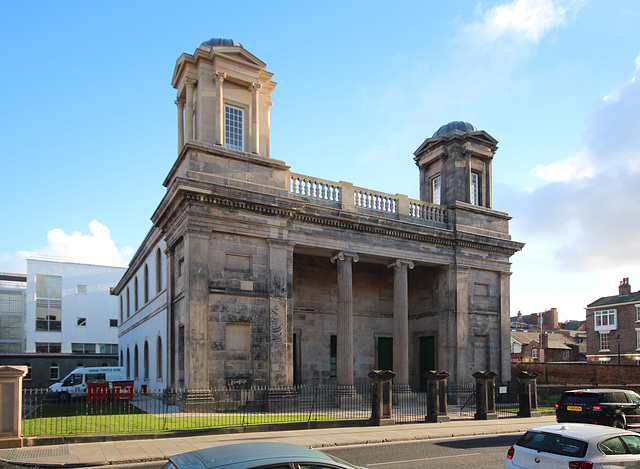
48 303
637 339
605 320
534 353
113 323
475 189
435 190
83 348
108 348
81 289
233 128
637 313
81 322
605 341
54 372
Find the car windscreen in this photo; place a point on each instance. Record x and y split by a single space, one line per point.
553 443
581 398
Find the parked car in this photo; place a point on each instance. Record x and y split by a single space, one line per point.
577 446
249 455
616 407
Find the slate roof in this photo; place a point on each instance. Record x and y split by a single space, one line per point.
556 341
616 300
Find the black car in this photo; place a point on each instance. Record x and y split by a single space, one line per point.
616 407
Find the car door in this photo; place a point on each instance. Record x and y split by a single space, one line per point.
633 414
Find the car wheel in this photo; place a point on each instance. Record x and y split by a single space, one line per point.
64 397
618 422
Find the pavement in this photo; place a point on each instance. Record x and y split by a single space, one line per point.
130 451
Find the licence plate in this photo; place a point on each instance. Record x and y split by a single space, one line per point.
574 407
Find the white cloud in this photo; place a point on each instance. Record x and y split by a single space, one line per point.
572 169
527 20
94 248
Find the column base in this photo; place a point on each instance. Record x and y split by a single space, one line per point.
486 416
197 400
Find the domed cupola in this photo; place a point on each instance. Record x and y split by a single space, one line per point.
453 126
455 165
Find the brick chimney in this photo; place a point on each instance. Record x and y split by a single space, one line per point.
624 288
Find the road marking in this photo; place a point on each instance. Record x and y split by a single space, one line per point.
421 459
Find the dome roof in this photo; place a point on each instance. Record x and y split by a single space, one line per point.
220 41
451 127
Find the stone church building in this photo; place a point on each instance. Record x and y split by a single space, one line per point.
266 276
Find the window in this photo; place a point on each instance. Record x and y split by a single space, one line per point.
604 341
135 362
565 355
54 372
637 313
113 323
333 356
83 348
180 266
81 322
605 319
637 339
475 189
46 347
146 284
27 377
435 190
135 294
128 364
158 270
128 304
121 310
233 128
534 353
145 364
81 289
48 303
159 358
121 358
111 349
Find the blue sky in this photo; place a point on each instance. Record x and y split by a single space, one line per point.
89 133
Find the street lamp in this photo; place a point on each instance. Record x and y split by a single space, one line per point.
619 338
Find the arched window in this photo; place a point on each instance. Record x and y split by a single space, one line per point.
135 294
128 364
121 359
158 270
159 358
146 283
145 364
136 357
128 303
121 311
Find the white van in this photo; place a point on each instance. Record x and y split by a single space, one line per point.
75 383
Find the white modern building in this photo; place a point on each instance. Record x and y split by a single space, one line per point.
12 311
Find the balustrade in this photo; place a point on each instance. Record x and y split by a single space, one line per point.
364 199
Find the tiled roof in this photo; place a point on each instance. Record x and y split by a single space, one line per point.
616 300
555 341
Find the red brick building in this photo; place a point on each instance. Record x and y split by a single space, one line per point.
613 328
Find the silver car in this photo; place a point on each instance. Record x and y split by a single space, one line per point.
254 455
575 445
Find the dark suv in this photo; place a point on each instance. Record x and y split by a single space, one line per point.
616 407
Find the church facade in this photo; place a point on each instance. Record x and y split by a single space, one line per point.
276 278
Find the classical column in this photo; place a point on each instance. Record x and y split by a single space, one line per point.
171 347
219 78
487 184
505 326
401 323
190 82
180 104
255 118
344 358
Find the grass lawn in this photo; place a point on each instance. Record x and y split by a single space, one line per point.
122 417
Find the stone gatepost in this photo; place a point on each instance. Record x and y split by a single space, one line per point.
381 413
436 396
528 394
11 408
485 395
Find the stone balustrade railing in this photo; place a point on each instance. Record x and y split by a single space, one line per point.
355 198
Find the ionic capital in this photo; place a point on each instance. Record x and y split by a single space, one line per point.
219 76
402 263
341 256
190 81
254 87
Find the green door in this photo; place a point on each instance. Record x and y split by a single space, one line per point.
427 358
385 353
